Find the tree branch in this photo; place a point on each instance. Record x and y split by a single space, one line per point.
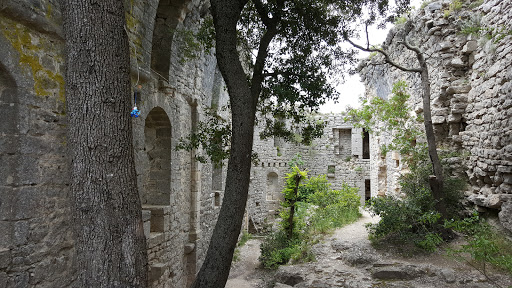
272 31
263 12
282 73
387 59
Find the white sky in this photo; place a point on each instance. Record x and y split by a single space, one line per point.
353 88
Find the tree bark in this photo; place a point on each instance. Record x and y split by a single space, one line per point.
435 181
110 241
215 270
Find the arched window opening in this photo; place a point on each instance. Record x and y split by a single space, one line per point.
157 182
168 15
272 187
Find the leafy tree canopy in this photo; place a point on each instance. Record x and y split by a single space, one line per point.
294 51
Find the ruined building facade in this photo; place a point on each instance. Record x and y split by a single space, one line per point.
342 154
180 197
471 97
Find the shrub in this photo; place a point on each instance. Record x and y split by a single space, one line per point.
346 197
278 249
318 210
414 218
485 244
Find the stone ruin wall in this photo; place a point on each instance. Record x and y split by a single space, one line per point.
179 205
343 151
471 81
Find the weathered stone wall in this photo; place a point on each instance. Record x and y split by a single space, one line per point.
36 244
471 93
180 207
343 153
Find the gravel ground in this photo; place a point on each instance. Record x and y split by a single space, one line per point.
346 259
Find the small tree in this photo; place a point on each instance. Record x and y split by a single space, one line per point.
436 180
378 116
291 196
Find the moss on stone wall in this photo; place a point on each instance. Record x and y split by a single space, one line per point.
30 48
133 24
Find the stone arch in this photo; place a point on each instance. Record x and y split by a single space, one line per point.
272 186
273 195
157 145
168 15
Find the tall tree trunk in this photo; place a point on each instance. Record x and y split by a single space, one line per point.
110 241
436 181
215 269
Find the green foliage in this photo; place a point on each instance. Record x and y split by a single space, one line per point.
474 26
246 236
347 197
424 4
296 161
485 245
195 43
400 20
314 185
291 196
430 242
456 5
318 210
303 132
278 249
394 117
414 218
305 58
213 135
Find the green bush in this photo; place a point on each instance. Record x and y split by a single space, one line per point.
414 218
485 244
318 211
347 197
278 249
313 185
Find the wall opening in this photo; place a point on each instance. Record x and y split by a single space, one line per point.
367 190
272 185
217 199
167 18
366 144
157 183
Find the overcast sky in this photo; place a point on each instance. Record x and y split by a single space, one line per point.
353 89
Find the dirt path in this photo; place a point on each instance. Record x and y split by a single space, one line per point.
245 273
346 259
